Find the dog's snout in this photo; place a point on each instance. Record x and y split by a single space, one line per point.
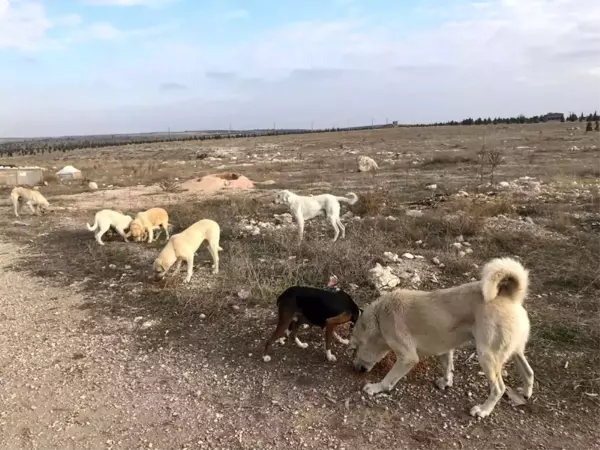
359 367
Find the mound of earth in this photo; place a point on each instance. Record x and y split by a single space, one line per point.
217 181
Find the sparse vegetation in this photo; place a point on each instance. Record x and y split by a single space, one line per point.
205 335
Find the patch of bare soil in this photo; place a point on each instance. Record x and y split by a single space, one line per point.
87 365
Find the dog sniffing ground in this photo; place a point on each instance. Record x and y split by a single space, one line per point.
93 354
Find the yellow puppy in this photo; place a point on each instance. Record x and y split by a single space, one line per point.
146 222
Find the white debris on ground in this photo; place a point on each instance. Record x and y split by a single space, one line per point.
403 272
366 164
93 185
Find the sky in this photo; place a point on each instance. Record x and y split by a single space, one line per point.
72 67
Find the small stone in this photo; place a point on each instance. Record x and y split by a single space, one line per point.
244 294
461 253
457 245
408 256
414 213
436 260
235 307
112 266
202 316
460 238
127 267
468 251
419 242
431 187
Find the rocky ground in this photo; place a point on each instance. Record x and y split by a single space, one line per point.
93 355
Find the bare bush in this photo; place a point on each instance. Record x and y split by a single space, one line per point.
170 186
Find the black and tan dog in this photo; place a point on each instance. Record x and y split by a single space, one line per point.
326 308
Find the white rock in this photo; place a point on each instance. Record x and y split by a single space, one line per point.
504 184
202 316
93 185
391 256
408 256
460 238
431 187
461 253
468 251
383 277
462 194
419 242
414 213
244 294
436 260
255 231
366 164
457 245
112 266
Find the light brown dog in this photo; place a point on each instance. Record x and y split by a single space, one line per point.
182 246
21 196
146 222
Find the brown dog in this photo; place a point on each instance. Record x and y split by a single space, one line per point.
146 221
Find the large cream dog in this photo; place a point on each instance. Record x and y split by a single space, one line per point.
414 324
304 208
107 218
182 246
30 197
146 222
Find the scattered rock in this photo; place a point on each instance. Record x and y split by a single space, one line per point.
431 187
244 294
414 213
366 164
93 185
436 260
461 253
457 245
469 251
408 256
383 277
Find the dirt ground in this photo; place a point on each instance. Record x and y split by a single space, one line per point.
93 354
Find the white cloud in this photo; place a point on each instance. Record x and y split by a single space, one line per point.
496 57
148 3
23 25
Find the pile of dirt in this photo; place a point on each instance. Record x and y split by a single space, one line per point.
217 181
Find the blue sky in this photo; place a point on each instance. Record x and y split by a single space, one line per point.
114 66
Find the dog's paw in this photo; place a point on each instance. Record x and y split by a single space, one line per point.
215 272
344 341
479 411
330 356
300 344
281 341
443 383
372 388
187 280
266 358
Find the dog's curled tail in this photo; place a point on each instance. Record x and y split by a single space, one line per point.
92 227
351 198
505 278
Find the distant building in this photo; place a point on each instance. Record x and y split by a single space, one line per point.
69 173
395 123
21 176
553 116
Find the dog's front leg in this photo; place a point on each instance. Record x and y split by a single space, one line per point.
404 363
150 235
177 266
447 361
300 221
190 267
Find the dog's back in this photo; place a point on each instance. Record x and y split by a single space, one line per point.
317 305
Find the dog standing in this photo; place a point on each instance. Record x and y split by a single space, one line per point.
30 197
182 247
146 222
305 208
107 218
414 324
327 309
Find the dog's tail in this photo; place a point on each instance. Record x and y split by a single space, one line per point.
92 227
351 198
505 278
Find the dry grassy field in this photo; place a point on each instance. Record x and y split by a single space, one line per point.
93 354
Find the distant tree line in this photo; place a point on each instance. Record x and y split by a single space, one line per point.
26 147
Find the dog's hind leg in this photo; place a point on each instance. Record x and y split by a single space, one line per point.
492 367
526 373
342 227
447 361
103 228
33 210
177 266
166 228
334 224
285 320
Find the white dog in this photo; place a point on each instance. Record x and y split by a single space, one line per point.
304 208
414 324
182 246
30 197
107 218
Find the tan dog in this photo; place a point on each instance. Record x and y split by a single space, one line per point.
30 197
414 324
146 222
182 246
107 218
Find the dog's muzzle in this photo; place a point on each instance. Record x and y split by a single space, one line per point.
159 276
360 367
